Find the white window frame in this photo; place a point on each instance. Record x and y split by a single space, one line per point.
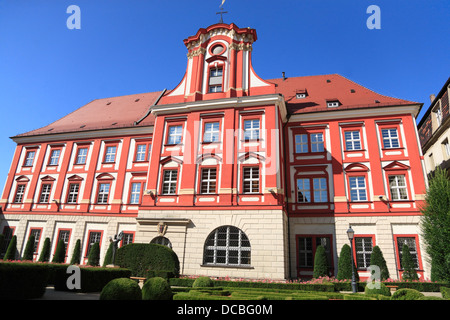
317 144
212 132
175 136
351 142
20 192
110 154
208 181
103 192
301 143
169 186
248 179
361 191
396 188
81 155
390 139
54 157
72 196
251 129
135 193
29 158
45 193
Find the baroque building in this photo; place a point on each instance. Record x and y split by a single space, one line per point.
240 176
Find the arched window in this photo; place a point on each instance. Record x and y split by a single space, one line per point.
162 241
227 246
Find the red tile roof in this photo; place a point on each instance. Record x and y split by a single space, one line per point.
323 88
108 113
125 111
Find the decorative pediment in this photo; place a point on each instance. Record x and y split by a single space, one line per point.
251 155
22 179
205 156
75 178
105 176
169 159
395 165
356 167
48 178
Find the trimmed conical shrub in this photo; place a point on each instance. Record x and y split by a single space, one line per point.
11 252
60 253
409 271
29 249
201 282
94 255
320 263
108 256
45 252
345 264
76 254
377 259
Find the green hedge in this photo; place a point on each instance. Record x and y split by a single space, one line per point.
93 279
22 280
143 258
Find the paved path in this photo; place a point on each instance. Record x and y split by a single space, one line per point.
52 294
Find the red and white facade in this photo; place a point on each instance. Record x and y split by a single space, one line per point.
242 177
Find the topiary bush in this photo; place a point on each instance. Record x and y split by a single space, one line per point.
121 289
320 263
406 294
45 252
141 258
156 288
445 292
377 288
203 282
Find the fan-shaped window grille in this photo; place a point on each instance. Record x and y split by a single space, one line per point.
163 241
227 246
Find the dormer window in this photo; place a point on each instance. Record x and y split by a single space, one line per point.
301 94
215 79
333 103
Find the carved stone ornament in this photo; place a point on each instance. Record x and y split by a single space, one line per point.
161 229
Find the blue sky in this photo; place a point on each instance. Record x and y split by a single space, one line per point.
134 46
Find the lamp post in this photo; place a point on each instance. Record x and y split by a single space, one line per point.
350 234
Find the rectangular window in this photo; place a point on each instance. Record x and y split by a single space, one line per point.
29 158
103 192
110 154
135 193
357 188
175 134
81 156
301 143
307 247
208 182
446 147
94 237
141 152
170 182
319 191
37 235
303 190
19 193
352 140
305 252
54 157
45 193
397 186
390 138
127 238
317 142
363 250
64 235
215 80
73 193
211 132
411 243
251 129
251 180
